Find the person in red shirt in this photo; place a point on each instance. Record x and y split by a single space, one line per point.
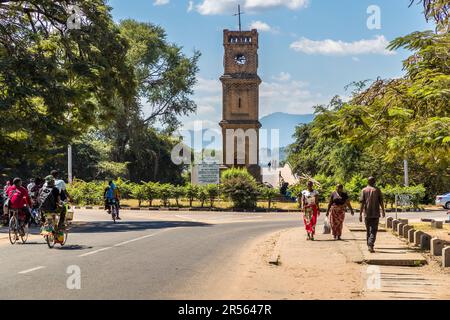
20 199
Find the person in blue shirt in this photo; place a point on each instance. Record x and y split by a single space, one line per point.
111 197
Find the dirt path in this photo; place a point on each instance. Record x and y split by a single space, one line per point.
322 269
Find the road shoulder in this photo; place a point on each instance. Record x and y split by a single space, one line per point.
321 269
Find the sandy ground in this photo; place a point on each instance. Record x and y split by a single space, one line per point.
307 270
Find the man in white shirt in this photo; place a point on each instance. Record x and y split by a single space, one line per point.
61 185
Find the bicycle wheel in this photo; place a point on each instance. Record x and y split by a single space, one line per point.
66 235
26 232
50 239
114 213
13 236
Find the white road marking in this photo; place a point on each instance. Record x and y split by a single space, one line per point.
31 270
140 238
122 243
94 252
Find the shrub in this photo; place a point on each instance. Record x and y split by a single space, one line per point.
240 187
354 187
213 192
202 195
178 193
236 172
151 190
138 193
191 192
87 193
125 188
166 192
268 194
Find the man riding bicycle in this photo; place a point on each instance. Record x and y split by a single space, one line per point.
50 201
112 198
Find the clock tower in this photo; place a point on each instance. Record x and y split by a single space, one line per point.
240 118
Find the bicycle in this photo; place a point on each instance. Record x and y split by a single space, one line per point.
17 227
50 230
113 210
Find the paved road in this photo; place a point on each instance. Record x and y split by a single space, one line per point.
146 256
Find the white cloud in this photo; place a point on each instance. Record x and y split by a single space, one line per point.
282 76
341 48
290 96
161 2
205 109
261 26
212 7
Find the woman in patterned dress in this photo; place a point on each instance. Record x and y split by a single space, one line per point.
310 202
339 201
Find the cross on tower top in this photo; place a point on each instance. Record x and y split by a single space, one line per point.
239 14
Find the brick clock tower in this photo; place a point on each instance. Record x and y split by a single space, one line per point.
240 85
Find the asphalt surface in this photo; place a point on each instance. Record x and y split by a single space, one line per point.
173 255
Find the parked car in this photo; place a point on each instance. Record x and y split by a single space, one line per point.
443 200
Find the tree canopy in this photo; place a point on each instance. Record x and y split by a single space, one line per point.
389 121
59 84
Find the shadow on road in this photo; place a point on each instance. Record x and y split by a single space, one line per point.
126 226
74 247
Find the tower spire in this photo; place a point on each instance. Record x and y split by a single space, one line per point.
239 14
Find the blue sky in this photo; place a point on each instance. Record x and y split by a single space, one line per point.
309 49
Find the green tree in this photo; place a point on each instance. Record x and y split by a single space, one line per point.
151 191
138 193
202 195
213 192
191 192
268 194
55 83
166 192
178 193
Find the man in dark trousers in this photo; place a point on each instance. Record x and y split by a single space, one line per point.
371 205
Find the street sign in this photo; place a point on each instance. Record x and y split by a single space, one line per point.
206 173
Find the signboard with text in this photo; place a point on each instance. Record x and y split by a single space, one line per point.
206 173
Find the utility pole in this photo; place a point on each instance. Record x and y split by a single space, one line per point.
69 162
405 168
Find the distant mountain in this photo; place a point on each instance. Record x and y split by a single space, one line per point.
286 123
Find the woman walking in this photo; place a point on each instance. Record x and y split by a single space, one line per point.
310 203
339 201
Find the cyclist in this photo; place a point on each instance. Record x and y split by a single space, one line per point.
19 199
112 197
50 201
61 185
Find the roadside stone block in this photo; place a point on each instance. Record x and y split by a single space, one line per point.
389 222
405 231
395 223
400 228
411 235
417 236
446 257
436 246
425 242
437 224
404 221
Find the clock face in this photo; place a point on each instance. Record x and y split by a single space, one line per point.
240 59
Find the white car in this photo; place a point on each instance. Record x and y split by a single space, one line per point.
443 200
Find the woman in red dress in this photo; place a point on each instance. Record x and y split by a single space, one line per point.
339 201
310 203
